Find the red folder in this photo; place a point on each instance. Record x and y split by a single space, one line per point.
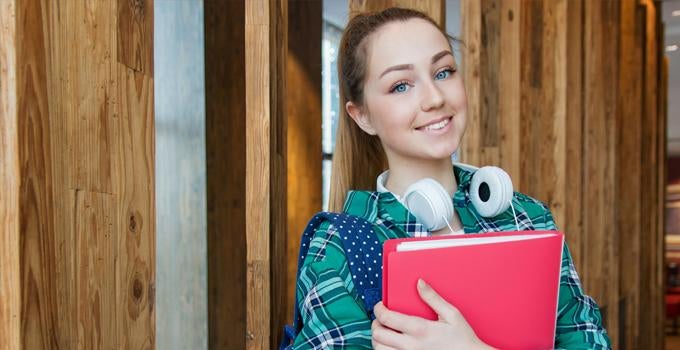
507 291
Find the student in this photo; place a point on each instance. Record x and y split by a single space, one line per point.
405 110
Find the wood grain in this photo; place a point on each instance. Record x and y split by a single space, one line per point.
628 191
278 158
10 282
135 24
650 285
304 129
565 135
86 164
471 148
226 172
601 257
266 45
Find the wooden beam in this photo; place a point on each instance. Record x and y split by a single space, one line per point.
266 45
226 172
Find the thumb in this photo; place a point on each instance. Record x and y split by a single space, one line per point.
444 309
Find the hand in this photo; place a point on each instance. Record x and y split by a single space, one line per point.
394 330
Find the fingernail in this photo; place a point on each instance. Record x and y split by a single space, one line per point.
422 284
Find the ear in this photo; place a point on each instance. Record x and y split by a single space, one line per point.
359 117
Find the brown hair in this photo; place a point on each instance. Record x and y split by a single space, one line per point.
359 157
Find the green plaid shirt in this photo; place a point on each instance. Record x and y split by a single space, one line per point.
334 316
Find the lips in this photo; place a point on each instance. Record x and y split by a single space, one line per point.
436 124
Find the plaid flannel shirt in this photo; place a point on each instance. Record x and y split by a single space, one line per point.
334 316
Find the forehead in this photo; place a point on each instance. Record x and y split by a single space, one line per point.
413 41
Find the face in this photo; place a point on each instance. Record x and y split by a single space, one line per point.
414 99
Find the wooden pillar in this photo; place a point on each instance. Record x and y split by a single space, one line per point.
78 108
224 33
246 160
266 46
303 98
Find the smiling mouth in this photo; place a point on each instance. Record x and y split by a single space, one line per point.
436 126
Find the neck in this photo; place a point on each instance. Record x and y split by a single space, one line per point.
403 173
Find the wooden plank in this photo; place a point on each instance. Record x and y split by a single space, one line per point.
135 25
10 282
490 57
555 192
226 172
662 115
278 42
304 129
574 207
95 248
600 28
136 263
509 83
257 174
265 37
136 260
43 316
628 189
470 148
650 320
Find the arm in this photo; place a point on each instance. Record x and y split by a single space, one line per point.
332 316
579 322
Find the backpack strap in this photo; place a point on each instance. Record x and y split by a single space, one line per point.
364 256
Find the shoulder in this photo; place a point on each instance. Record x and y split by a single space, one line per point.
537 211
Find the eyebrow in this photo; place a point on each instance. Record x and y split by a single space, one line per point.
435 58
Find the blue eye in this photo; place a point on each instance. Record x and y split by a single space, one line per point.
401 87
443 74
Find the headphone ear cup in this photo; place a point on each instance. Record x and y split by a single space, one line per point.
491 191
506 188
428 200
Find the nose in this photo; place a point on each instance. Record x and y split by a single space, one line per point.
432 97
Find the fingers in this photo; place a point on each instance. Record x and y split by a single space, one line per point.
445 310
384 338
399 322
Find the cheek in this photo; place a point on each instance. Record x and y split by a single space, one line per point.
391 115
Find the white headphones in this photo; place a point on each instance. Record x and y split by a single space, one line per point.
490 191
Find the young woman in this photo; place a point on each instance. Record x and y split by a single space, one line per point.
405 110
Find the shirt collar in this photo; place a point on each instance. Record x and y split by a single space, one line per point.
382 207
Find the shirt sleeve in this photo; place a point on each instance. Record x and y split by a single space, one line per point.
579 322
332 315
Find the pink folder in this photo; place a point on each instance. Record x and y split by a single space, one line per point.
507 291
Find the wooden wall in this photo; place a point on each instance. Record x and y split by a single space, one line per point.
564 96
80 184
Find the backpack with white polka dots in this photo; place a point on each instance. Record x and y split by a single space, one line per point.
364 256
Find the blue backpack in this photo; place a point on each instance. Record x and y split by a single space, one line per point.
364 254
